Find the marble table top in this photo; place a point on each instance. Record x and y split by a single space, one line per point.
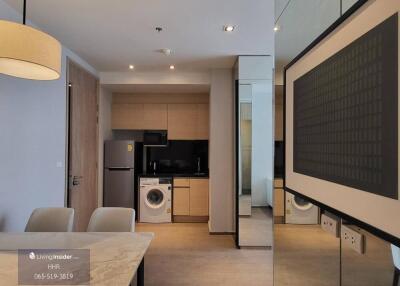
114 257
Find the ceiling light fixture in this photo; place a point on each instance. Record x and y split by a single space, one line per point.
166 52
131 67
277 28
229 28
26 52
171 67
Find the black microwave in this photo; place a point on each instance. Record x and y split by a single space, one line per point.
155 138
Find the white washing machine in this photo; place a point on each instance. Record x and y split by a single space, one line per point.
155 200
300 211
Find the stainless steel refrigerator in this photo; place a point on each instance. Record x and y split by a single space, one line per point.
119 173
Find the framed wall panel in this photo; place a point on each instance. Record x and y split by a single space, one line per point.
341 119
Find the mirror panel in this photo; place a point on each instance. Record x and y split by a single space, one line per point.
305 255
255 216
374 266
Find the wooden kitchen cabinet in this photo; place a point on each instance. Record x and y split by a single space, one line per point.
279 201
198 197
155 117
202 122
181 201
187 121
136 116
127 116
190 199
182 121
182 182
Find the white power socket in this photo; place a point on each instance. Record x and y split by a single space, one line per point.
353 239
330 225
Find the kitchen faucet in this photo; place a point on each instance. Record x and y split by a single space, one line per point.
198 165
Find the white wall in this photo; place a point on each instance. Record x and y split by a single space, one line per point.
32 142
221 163
105 133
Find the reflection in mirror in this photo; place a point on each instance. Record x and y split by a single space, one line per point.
255 216
306 254
366 259
346 5
298 23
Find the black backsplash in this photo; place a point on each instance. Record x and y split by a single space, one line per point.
180 156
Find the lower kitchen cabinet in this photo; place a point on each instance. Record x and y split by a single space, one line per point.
279 201
198 197
181 201
190 200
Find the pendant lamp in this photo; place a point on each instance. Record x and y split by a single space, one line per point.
28 53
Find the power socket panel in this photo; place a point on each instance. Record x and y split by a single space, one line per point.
330 225
353 239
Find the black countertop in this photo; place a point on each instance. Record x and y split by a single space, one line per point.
174 175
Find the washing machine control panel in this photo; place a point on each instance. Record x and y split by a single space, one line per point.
149 181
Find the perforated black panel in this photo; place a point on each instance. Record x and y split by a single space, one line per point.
345 115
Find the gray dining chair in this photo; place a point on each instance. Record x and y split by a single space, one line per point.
51 220
396 263
112 220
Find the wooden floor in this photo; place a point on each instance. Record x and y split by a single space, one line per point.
185 254
256 230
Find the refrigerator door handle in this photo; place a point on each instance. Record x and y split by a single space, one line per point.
119 168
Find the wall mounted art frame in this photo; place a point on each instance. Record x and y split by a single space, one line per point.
341 117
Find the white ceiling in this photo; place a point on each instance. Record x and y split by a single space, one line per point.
110 35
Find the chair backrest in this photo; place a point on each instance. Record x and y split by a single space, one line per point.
112 220
396 256
51 220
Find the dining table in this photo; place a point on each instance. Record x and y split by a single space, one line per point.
98 258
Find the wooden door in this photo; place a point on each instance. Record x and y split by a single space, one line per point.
83 142
198 197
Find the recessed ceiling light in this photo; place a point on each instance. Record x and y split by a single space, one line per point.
166 52
229 28
171 67
131 67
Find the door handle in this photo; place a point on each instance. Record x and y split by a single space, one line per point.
76 180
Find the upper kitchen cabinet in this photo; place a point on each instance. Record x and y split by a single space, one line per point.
185 116
136 116
127 116
155 117
202 122
188 121
182 123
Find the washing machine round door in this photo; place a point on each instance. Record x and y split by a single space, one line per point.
155 198
301 204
